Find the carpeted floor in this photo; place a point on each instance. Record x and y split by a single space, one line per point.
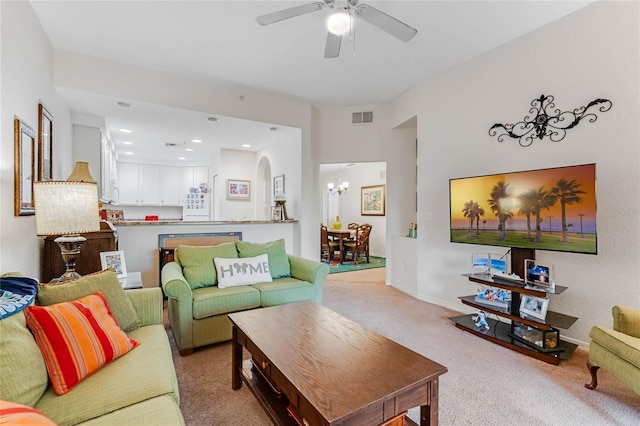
485 385
374 262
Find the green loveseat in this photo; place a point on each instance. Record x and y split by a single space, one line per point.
138 388
617 350
198 307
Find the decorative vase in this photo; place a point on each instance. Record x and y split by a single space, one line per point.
337 224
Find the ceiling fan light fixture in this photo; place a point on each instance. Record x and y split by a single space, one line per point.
339 22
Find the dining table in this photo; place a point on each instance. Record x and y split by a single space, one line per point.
342 235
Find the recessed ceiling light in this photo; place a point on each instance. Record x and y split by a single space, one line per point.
125 130
123 104
196 141
274 129
212 119
128 153
182 158
246 145
127 143
188 149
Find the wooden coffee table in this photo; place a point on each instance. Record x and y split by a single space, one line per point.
312 364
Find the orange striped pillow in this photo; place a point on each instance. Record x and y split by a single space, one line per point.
77 338
21 415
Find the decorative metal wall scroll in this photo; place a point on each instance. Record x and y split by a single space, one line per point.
547 121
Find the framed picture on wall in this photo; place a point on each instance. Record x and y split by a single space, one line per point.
278 186
238 189
45 143
372 202
25 161
114 260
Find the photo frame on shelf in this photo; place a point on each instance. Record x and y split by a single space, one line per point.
45 144
238 189
276 213
372 200
532 306
25 160
537 275
278 186
115 260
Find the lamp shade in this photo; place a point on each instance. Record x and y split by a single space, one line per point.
81 173
64 208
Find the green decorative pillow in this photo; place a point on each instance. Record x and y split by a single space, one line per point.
104 281
278 258
23 374
197 262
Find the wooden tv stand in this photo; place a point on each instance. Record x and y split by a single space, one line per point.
503 333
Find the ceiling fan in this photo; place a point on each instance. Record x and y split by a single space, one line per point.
340 21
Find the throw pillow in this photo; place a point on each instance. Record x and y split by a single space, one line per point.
19 415
278 258
105 281
23 373
197 262
77 338
248 270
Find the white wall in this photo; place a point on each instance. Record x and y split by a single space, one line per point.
26 80
338 141
590 54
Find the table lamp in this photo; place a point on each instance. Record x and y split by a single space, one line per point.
66 208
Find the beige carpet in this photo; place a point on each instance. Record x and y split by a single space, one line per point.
485 385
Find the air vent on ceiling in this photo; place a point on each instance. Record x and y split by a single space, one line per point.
173 144
362 117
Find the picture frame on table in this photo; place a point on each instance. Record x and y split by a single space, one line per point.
276 213
114 260
45 144
238 189
278 186
372 200
532 306
25 161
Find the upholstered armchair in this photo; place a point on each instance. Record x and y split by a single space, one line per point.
617 350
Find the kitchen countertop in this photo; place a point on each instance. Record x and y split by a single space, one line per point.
181 222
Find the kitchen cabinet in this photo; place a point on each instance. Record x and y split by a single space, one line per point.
149 185
152 185
128 178
171 189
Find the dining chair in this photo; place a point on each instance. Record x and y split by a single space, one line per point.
327 247
360 245
354 228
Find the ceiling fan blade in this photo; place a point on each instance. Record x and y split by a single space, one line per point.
291 12
386 22
332 48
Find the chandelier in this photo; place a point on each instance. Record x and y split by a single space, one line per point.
341 188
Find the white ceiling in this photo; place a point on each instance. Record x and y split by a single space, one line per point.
220 41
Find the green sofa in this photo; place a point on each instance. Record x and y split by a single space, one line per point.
138 388
617 350
198 307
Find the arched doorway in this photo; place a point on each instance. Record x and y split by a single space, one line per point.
263 189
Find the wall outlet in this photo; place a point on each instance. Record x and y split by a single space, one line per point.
428 216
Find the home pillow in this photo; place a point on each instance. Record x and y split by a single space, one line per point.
278 258
248 270
105 281
18 415
197 262
77 338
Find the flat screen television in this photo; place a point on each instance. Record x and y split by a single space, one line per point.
546 209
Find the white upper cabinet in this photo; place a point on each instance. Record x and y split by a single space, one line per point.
152 185
171 188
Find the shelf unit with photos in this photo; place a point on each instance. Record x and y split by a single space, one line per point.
517 333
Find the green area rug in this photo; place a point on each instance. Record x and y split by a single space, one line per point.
374 262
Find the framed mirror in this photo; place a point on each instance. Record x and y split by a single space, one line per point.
25 156
45 144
